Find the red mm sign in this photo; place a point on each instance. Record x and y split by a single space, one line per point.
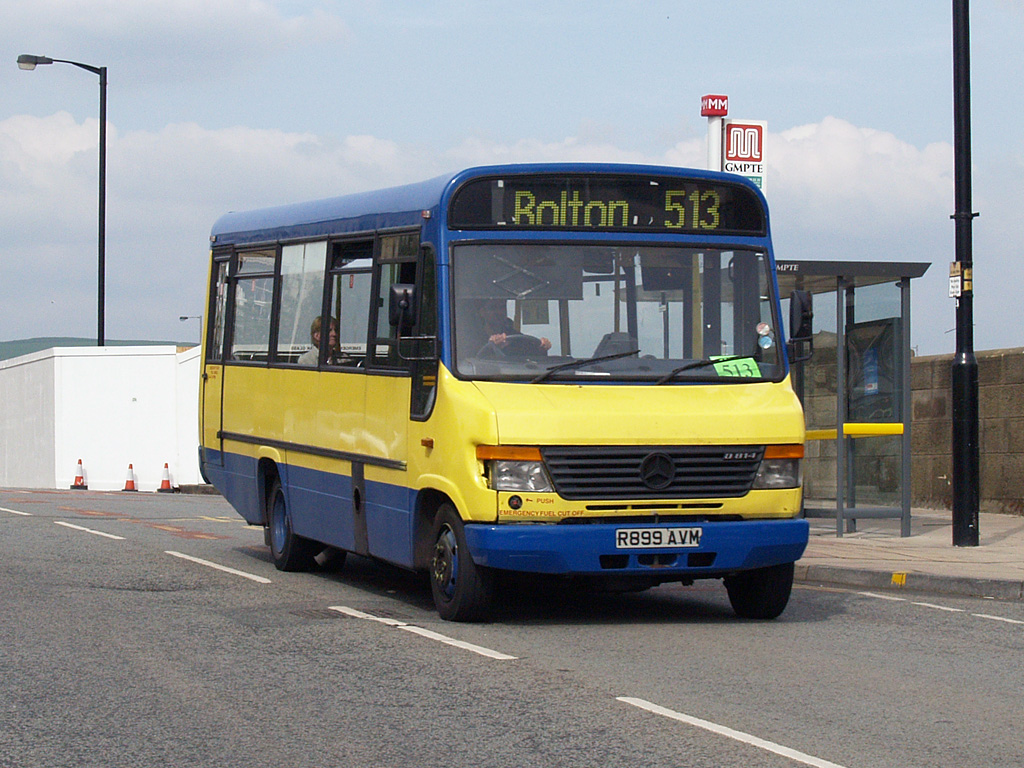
714 105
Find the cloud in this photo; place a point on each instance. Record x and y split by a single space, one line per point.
838 191
856 179
841 192
47 165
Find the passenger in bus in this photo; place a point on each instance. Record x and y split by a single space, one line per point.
310 356
499 330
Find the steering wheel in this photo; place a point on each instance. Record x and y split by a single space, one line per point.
516 345
523 345
491 351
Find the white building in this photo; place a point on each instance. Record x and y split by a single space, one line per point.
106 406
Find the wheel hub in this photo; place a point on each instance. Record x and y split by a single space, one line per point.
278 526
444 566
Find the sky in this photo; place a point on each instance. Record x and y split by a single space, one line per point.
226 105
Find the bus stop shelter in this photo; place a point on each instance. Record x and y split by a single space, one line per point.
856 388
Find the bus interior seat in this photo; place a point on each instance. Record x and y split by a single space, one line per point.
615 343
249 356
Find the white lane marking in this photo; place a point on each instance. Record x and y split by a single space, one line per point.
88 530
16 512
478 649
940 607
368 616
884 597
208 564
458 643
997 618
721 730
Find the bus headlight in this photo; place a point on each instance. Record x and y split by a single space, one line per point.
514 468
519 476
780 467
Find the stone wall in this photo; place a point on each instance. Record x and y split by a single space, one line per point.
1000 430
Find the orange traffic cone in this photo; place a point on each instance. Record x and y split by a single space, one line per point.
165 484
129 483
79 484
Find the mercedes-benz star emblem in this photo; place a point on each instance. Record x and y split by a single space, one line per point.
657 471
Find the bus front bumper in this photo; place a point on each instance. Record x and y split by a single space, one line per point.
592 548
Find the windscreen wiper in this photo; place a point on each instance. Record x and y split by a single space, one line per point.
694 364
578 363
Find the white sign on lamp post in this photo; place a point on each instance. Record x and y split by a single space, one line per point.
743 149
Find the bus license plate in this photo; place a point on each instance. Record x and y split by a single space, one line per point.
652 538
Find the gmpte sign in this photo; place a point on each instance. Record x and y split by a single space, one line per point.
743 149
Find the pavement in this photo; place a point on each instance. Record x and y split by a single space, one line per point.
875 556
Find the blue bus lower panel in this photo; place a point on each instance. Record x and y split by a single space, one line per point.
321 505
322 509
591 549
235 477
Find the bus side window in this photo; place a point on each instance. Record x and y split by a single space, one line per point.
302 291
424 364
253 306
218 310
385 344
348 300
396 263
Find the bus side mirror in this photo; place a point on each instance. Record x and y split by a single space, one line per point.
401 312
801 317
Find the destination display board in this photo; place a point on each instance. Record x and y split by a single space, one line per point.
607 203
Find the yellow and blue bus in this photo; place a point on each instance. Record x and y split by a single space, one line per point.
577 370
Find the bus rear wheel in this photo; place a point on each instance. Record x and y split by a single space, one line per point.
289 551
761 593
462 590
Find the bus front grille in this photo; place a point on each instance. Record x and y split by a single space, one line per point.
653 472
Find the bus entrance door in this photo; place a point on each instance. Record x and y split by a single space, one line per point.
211 415
386 497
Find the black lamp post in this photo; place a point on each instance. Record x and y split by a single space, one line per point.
26 61
964 384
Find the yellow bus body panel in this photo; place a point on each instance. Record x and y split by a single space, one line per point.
701 414
462 419
468 414
367 415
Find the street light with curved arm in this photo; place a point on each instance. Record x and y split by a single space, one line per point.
29 62
183 318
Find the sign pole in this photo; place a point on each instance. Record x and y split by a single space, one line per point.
714 107
965 365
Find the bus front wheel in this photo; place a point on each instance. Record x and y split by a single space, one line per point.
289 551
462 590
761 593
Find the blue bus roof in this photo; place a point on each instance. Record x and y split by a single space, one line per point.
400 206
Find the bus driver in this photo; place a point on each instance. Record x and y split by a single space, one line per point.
499 330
